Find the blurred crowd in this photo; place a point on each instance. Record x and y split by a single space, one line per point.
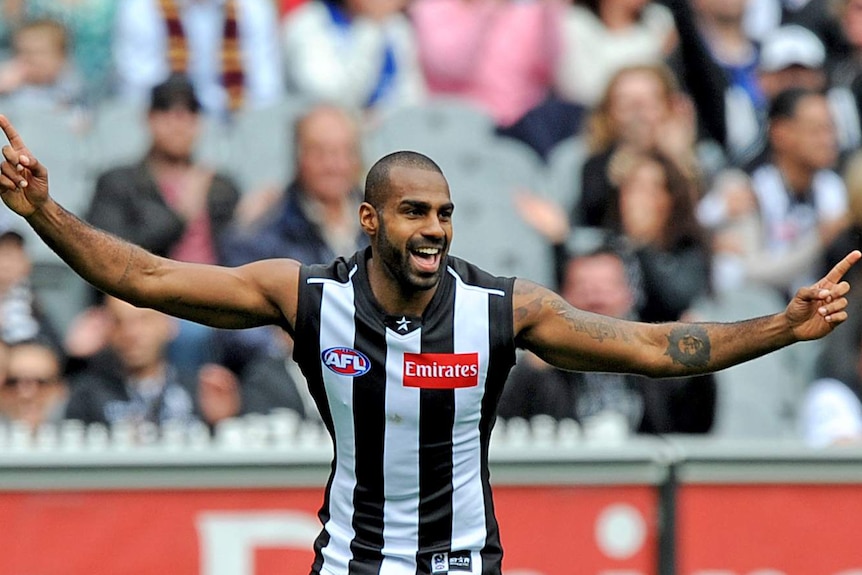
721 156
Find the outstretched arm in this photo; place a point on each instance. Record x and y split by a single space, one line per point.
256 294
574 339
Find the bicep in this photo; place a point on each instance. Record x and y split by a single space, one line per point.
574 339
259 293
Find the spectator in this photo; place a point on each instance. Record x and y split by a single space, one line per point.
89 25
717 64
314 220
802 201
845 77
602 37
21 318
642 109
133 382
605 280
168 203
228 48
831 410
500 56
41 72
34 392
654 212
358 53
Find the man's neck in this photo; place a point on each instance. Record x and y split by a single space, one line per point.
797 178
161 162
391 295
148 374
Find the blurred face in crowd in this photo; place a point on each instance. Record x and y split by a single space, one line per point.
174 132
598 283
139 336
15 264
638 104
645 203
808 138
851 21
328 159
33 382
41 51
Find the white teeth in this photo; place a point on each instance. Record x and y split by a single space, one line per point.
428 251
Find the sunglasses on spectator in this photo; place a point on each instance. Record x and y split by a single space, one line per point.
14 380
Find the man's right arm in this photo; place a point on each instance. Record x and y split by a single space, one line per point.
252 295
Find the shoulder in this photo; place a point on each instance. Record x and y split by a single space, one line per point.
473 275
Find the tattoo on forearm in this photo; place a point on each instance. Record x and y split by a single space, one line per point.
689 346
597 328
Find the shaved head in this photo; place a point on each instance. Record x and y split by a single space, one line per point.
377 181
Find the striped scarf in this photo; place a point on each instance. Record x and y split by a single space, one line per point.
232 77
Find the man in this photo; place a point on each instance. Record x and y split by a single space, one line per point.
802 202
406 349
168 202
34 393
313 222
315 219
605 280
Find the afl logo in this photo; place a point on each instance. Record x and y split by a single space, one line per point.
346 361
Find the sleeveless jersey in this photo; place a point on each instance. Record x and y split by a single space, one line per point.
410 403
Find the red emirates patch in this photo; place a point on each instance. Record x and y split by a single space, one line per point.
441 370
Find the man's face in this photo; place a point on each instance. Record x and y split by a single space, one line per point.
138 335
41 55
328 156
414 227
598 284
174 131
809 137
33 380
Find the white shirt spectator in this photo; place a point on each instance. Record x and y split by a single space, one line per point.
330 59
141 44
831 413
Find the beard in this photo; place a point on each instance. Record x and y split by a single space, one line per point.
397 262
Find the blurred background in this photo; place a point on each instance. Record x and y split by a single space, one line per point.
653 160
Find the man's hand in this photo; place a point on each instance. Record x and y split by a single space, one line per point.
23 180
815 311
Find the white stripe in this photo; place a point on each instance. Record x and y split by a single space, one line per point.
337 330
401 459
471 327
462 285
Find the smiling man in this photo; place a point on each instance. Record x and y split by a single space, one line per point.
405 349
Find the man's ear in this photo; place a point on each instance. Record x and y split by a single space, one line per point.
369 219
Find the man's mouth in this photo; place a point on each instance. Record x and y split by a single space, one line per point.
427 259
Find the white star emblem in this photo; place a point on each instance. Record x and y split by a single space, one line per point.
403 323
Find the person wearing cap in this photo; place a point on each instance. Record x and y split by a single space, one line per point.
168 202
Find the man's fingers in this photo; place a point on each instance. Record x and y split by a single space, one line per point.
11 133
842 267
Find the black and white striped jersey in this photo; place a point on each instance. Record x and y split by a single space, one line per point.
410 403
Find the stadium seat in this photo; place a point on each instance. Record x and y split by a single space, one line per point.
261 146
564 171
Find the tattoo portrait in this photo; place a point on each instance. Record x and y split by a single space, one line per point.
689 346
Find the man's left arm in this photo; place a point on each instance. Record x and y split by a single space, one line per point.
570 338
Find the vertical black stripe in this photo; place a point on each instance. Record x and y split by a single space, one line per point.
369 416
436 421
307 347
502 359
